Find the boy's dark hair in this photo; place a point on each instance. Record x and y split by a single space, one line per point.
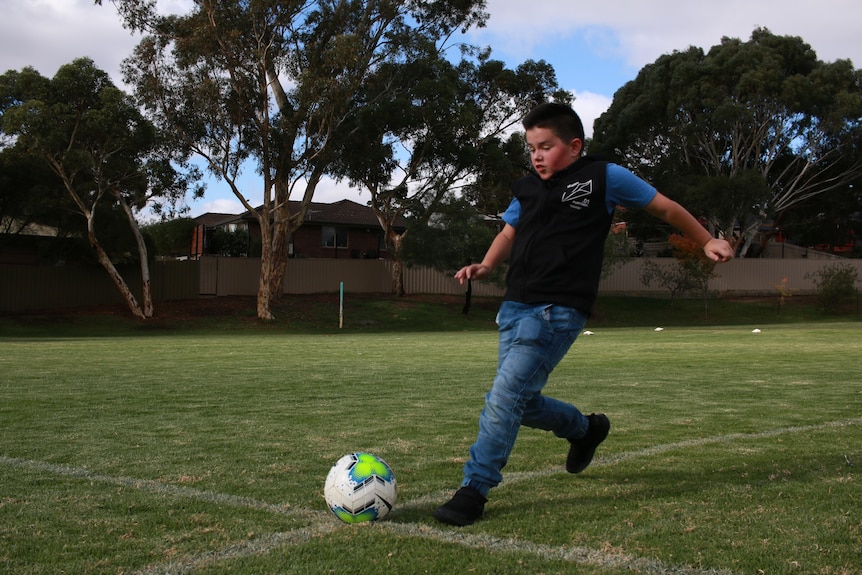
559 118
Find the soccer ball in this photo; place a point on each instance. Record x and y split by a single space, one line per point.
360 487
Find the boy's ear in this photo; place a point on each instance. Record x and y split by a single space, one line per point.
576 146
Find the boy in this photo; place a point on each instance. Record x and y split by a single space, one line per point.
554 235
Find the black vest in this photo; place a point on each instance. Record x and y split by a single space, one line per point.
560 237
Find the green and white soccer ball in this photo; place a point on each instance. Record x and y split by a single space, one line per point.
360 487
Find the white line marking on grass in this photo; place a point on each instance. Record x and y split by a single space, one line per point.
614 458
163 488
257 547
577 555
322 523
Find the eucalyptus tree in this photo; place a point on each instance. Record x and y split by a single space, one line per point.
430 138
269 83
109 161
502 160
746 130
28 188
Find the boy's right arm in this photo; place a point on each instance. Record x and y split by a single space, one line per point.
664 208
500 249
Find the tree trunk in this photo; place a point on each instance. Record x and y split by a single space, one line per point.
263 291
266 260
102 256
284 225
115 276
747 238
398 278
279 261
143 256
395 241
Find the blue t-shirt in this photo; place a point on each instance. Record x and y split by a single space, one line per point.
623 188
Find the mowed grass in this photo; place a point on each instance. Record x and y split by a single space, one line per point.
187 451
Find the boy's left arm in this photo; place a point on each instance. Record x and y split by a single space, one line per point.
666 209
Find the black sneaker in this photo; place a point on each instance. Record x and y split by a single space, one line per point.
582 450
465 507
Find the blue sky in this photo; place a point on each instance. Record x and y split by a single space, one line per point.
594 47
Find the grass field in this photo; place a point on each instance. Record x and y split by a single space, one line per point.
200 445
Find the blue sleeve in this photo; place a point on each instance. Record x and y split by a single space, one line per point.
513 213
626 189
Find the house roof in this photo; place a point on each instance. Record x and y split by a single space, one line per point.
342 212
212 219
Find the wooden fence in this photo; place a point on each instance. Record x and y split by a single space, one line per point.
27 288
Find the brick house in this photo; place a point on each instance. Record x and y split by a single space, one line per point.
343 229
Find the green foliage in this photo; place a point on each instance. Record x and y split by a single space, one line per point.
696 263
297 90
836 285
835 223
674 277
456 236
753 128
430 128
106 159
32 194
171 238
501 163
721 198
234 243
618 251
92 139
691 271
437 127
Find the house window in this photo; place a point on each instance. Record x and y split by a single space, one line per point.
334 237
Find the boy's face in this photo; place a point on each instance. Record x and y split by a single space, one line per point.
549 153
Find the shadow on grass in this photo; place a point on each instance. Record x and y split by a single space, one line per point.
378 313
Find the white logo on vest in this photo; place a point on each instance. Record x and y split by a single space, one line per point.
577 195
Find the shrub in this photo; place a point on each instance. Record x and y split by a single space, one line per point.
836 285
673 277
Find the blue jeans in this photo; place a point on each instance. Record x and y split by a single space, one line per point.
533 340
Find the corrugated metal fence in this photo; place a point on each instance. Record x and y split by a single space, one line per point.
239 276
25 288
744 277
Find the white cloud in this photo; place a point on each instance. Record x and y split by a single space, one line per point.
329 191
589 107
641 31
47 34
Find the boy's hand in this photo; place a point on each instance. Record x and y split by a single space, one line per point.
472 272
718 250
